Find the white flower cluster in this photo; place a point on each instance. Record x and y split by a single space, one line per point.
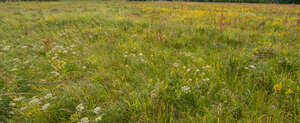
34 101
80 107
186 89
96 110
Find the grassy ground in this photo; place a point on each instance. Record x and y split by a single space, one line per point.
149 62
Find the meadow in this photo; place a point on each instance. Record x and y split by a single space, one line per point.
117 61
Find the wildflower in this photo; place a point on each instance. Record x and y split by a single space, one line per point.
175 64
132 54
34 101
252 66
18 99
24 47
80 108
44 107
188 70
84 67
23 108
197 70
141 54
6 48
207 66
273 106
12 104
56 73
47 96
97 110
289 91
186 89
84 120
206 79
98 118
277 87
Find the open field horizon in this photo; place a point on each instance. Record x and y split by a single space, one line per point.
118 61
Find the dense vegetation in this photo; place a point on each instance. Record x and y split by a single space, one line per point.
180 62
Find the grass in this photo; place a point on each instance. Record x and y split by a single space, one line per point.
149 62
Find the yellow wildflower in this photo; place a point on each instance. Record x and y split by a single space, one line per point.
289 91
277 87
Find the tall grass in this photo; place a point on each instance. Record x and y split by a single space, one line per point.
148 62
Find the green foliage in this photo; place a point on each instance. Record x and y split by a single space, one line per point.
73 61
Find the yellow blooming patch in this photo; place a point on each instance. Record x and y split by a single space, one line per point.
277 87
289 91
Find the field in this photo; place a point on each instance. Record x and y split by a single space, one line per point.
109 61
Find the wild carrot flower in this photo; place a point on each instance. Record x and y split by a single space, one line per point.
97 110
47 96
18 99
12 104
84 120
44 107
34 101
80 108
98 118
186 89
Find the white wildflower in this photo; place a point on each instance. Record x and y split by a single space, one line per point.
24 47
252 66
206 79
84 120
80 108
186 89
6 48
175 64
207 66
34 101
188 70
141 54
23 108
18 99
47 96
55 73
97 110
12 104
98 118
44 107
132 54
